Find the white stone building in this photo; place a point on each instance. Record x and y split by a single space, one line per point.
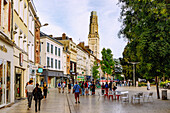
52 59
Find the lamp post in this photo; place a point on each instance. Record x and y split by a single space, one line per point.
134 63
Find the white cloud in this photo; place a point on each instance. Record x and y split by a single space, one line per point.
73 16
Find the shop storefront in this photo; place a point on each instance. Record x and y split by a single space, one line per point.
52 77
6 72
80 78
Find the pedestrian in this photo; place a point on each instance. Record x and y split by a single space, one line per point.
103 88
110 86
26 89
69 87
93 88
59 87
37 93
86 88
106 88
29 89
83 87
45 89
63 86
76 91
148 85
114 86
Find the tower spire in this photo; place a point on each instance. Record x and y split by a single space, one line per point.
93 37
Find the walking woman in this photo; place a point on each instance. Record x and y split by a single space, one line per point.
37 93
45 89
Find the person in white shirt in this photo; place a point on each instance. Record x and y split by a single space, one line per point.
29 90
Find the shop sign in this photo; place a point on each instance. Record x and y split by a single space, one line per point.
40 70
80 77
21 59
2 48
35 67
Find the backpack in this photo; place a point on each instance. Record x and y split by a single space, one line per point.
85 85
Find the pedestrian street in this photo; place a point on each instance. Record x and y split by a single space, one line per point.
65 103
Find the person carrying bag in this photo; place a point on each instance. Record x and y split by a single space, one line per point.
37 93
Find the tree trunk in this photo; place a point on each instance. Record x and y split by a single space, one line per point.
157 88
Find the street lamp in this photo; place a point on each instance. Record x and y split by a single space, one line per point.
134 63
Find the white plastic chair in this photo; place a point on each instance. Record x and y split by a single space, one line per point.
149 96
125 97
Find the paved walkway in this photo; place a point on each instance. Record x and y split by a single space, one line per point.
94 104
64 103
55 103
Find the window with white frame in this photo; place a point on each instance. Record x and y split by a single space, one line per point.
32 26
30 21
16 35
25 43
21 9
16 5
21 39
25 13
32 52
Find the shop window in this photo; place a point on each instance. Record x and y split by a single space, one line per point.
8 85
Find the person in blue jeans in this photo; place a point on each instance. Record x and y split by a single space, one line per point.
83 87
76 91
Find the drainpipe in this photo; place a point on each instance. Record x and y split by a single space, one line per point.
12 19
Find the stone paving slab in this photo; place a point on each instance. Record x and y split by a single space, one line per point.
55 103
94 104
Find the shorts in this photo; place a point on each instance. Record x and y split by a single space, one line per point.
76 95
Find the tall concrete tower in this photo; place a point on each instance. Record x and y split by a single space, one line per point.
93 37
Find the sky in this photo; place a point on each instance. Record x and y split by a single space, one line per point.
73 18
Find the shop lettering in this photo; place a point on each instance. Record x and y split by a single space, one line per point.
2 48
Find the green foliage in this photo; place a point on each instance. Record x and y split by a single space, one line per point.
107 62
95 71
146 26
142 84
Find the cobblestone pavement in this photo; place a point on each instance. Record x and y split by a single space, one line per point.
55 103
64 103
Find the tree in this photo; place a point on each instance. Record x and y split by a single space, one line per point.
95 71
146 24
107 62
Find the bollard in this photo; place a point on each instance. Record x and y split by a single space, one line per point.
164 94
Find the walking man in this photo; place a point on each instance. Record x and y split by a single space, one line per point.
29 89
76 91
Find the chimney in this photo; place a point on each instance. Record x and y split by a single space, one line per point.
87 47
70 39
63 36
81 44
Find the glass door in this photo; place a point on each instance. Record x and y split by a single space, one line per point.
2 82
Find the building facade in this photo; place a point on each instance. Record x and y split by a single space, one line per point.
70 46
20 37
31 42
6 55
51 59
93 37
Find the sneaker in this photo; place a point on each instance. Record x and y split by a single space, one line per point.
75 102
78 101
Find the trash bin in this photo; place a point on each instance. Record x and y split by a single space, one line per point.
164 94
